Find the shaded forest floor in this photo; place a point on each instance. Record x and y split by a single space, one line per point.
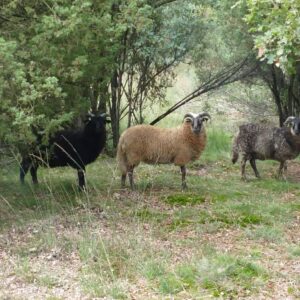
223 238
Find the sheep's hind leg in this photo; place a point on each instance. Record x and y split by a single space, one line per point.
183 174
253 165
130 176
81 178
123 180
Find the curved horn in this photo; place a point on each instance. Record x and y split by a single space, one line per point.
190 115
289 120
90 114
205 116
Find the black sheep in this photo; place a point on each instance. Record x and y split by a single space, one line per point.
74 148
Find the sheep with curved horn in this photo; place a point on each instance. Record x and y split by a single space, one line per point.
154 145
255 141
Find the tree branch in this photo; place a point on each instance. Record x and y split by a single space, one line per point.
233 73
162 2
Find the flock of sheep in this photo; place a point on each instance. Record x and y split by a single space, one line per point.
153 145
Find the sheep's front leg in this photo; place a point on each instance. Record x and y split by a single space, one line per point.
33 172
253 165
25 165
243 167
81 178
183 174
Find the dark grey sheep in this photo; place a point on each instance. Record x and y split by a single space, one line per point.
74 148
262 142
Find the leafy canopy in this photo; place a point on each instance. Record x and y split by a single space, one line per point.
275 25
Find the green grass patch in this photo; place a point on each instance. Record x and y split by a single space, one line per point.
217 273
295 250
254 212
153 269
275 185
148 214
221 273
170 284
229 195
266 233
184 199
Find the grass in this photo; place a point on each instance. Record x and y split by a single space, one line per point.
183 199
220 239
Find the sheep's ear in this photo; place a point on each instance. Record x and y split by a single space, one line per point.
105 116
88 117
289 121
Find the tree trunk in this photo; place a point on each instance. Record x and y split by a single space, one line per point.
114 110
282 88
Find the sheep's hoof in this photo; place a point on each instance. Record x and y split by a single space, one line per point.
82 189
281 177
244 178
184 186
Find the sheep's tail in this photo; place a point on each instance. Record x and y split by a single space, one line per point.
122 159
235 150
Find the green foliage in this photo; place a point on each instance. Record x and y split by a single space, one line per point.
62 58
49 62
275 26
225 39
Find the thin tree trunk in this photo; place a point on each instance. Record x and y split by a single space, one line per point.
114 113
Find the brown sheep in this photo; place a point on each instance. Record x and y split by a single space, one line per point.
153 145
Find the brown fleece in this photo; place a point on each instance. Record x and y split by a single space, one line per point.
150 144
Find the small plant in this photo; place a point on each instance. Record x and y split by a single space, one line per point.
153 269
170 284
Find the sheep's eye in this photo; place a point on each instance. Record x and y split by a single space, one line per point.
188 120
